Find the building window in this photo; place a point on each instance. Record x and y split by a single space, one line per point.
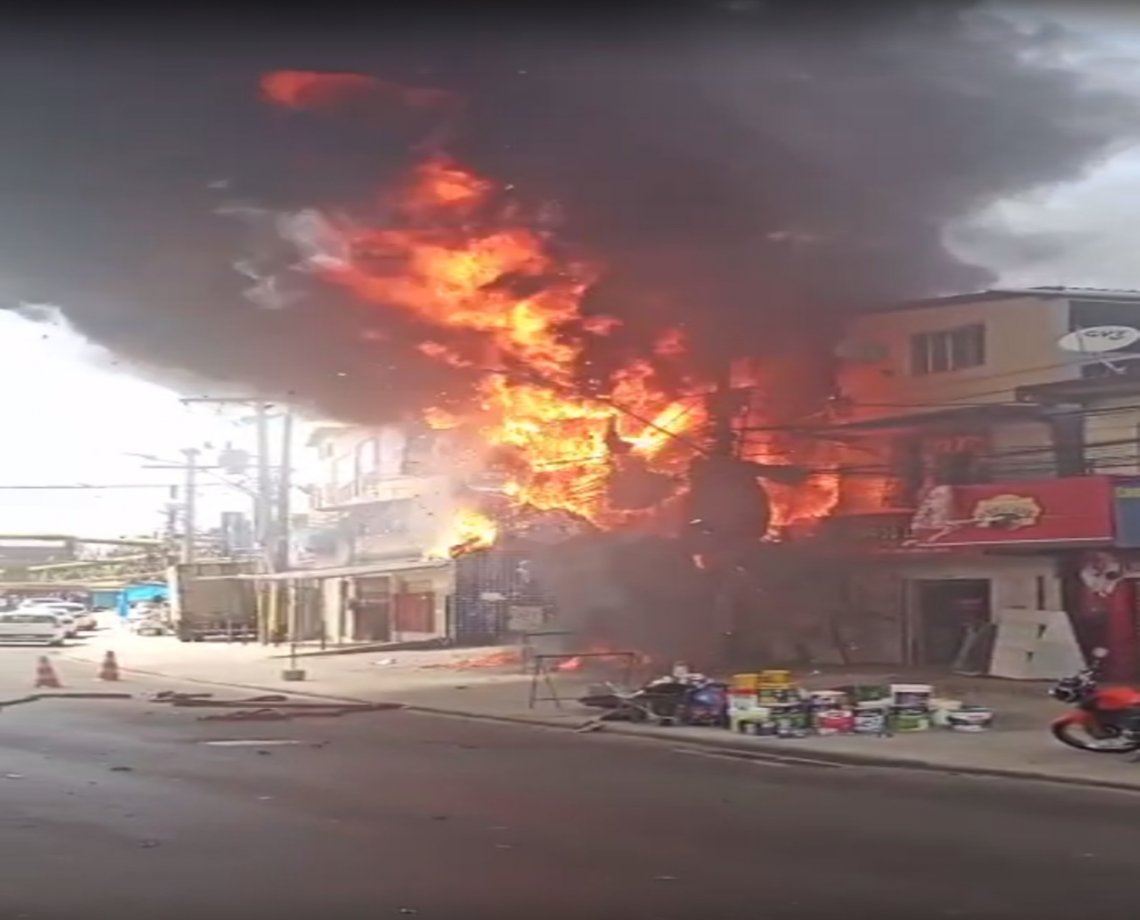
947 350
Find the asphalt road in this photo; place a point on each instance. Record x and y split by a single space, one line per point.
395 814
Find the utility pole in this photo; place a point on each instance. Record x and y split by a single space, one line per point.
272 536
171 530
190 516
190 469
264 531
263 508
284 486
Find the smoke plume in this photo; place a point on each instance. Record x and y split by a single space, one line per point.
742 169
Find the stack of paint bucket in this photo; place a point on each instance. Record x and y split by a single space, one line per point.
910 707
775 687
870 704
744 710
789 715
970 719
831 712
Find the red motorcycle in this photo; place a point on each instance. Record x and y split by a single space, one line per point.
1106 719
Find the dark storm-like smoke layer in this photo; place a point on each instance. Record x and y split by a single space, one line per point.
790 168
744 169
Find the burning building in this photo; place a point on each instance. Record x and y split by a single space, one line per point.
610 296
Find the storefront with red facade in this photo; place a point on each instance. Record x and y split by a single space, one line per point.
1025 549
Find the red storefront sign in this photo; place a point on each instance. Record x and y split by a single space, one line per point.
1076 509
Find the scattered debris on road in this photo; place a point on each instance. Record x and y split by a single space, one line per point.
166 696
34 697
247 715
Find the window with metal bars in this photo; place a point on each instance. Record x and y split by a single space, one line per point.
947 350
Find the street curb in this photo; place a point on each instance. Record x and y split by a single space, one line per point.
378 649
775 752
783 755
221 683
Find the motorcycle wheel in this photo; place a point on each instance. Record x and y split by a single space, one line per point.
1070 732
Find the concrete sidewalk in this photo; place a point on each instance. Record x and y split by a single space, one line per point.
435 681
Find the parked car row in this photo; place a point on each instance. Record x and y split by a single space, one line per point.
47 620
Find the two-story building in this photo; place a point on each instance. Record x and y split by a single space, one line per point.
371 565
386 551
985 454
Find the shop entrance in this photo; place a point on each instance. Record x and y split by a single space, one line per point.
949 611
372 610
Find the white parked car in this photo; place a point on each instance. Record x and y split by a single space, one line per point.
58 610
84 618
78 616
32 625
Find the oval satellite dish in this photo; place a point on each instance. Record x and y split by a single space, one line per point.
1098 339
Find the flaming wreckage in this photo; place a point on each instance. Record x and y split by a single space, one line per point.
564 434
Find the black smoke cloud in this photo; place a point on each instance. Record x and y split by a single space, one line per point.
746 169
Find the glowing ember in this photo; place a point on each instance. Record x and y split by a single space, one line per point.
502 658
570 664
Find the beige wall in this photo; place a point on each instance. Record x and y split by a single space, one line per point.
1021 350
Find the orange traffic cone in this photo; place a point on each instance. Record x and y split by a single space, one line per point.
45 674
110 669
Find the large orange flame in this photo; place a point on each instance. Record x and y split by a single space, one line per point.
460 261
500 286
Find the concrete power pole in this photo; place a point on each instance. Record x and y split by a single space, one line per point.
190 518
263 509
284 485
263 505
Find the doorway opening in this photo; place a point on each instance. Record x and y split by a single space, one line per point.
950 612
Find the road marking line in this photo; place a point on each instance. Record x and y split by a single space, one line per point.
760 760
716 755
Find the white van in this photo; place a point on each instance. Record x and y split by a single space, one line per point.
41 626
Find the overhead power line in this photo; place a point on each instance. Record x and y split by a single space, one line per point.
86 485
